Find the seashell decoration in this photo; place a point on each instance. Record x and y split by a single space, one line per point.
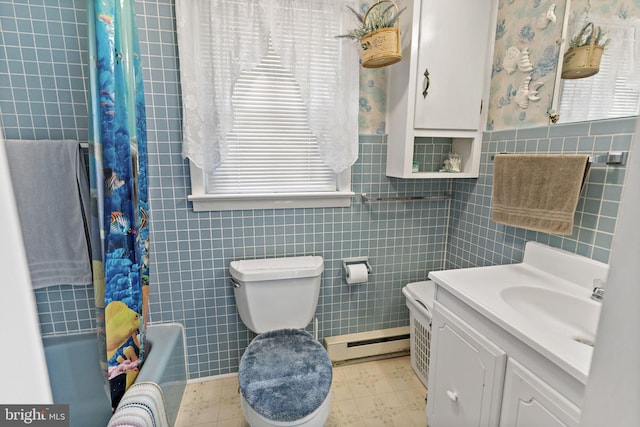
524 63
511 58
521 97
527 92
547 17
533 91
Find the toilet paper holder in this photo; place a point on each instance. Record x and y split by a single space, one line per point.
358 260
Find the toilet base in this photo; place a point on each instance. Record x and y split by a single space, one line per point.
317 418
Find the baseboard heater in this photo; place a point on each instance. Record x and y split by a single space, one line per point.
381 342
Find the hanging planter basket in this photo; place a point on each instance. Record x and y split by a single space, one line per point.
583 61
381 47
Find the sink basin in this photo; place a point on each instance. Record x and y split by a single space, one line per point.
575 316
543 302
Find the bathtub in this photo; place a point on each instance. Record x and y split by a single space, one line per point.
76 378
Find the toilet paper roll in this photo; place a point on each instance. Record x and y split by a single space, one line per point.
357 273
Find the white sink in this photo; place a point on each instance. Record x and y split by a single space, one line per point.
544 302
575 316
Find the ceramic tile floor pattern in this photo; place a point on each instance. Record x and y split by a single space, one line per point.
375 393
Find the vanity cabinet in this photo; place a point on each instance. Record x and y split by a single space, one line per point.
465 388
437 92
478 377
528 401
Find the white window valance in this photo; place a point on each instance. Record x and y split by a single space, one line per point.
220 39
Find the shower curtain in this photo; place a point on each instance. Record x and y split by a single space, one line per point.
118 169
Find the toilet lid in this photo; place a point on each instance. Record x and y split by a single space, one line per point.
285 375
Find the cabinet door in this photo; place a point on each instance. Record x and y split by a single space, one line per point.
453 48
465 376
530 402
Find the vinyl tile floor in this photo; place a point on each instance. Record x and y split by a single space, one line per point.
375 393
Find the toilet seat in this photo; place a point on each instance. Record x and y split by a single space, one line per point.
285 375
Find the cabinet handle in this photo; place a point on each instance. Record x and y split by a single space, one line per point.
426 87
453 396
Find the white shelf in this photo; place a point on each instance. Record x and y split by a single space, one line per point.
442 175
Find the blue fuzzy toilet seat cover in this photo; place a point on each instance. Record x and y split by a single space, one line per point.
285 375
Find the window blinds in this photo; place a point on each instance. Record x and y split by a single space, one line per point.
271 148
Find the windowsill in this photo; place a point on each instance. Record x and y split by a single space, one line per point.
210 202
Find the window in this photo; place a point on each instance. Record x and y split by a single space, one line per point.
615 90
288 134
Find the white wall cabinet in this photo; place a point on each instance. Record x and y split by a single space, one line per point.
530 402
465 388
439 88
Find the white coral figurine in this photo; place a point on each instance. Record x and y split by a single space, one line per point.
548 17
527 92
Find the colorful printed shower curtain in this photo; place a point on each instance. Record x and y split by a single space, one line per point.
118 168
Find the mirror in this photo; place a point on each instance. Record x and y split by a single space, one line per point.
615 90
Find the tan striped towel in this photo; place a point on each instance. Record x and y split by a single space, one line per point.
141 406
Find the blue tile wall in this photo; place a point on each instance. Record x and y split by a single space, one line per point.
403 240
65 309
475 240
42 69
43 81
42 96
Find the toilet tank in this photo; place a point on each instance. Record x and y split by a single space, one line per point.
277 293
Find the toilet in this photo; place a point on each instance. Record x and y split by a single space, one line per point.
285 373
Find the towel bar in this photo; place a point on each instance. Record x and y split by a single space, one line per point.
611 158
618 158
440 196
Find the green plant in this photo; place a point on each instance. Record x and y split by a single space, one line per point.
376 19
585 35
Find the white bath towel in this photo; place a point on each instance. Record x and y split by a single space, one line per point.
52 194
141 406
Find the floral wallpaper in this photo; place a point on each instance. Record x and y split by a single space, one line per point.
373 101
373 94
519 27
524 63
621 9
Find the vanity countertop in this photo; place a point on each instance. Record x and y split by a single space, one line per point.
545 302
